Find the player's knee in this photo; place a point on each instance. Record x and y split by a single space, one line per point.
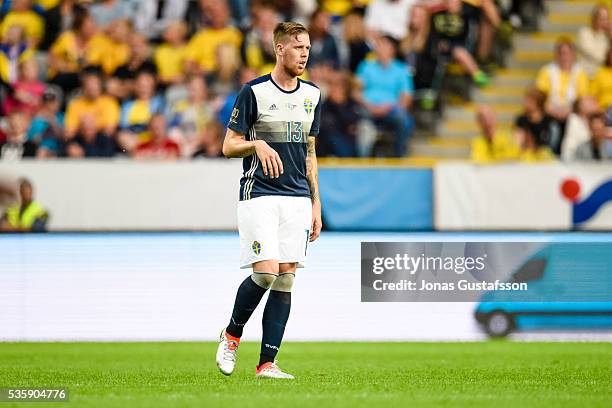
264 279
284 282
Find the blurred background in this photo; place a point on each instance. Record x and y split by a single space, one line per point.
442 120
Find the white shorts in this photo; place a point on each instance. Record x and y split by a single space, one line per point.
274 227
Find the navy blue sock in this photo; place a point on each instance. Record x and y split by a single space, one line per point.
275 318
248 297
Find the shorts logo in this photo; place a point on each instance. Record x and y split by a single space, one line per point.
256 247
308 106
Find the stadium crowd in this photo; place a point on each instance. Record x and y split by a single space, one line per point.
157 79
567 112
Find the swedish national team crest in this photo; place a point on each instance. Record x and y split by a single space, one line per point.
256 247
308 106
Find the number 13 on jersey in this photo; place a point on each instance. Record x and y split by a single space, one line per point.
294 132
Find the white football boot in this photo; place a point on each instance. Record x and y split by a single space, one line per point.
226 354
271 370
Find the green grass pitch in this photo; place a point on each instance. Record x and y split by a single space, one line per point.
486 374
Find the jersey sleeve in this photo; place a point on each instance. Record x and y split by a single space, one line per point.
244 113
316 123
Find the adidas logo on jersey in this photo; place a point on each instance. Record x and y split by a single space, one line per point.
273 107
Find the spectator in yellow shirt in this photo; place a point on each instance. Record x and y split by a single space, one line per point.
601 87
21 14
257 48
203 45
563 81
493 145
171 55
92 103
75 49
535 153
114 48
13 52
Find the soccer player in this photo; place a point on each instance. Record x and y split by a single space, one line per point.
273 127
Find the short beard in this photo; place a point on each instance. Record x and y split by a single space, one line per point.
291 72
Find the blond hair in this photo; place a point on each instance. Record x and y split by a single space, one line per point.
287 29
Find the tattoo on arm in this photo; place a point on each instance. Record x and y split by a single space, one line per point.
312 171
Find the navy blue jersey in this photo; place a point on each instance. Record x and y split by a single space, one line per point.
284 120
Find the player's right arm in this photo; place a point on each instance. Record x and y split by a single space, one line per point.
235 145
244 115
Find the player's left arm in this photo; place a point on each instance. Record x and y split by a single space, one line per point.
312 173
